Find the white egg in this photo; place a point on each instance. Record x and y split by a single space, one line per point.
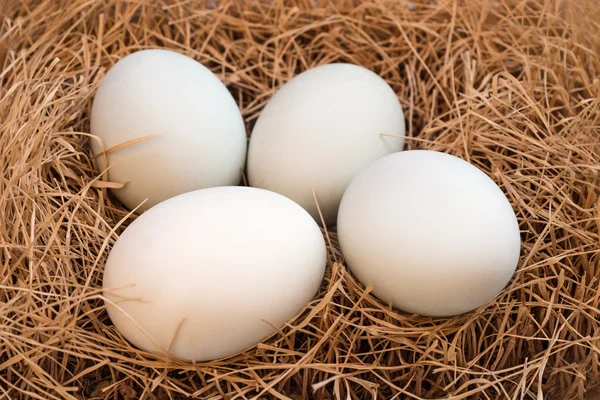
319 130
211 272
431 233
160 92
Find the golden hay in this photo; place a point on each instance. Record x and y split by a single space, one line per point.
511 86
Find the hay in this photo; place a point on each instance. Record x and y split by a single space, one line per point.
511 86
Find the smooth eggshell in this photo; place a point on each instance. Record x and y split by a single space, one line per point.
203 138
223 265
430 232
319 130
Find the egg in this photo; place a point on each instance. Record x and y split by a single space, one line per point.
319 130
208 273
174 127
431 233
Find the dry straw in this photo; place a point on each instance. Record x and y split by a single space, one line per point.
511 86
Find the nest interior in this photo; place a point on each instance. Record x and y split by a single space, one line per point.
511 86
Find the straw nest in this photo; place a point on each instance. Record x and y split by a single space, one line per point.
511 86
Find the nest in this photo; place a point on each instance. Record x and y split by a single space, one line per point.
510 86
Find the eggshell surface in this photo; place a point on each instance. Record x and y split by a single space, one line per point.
319 130
211 272
202 140
431 233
